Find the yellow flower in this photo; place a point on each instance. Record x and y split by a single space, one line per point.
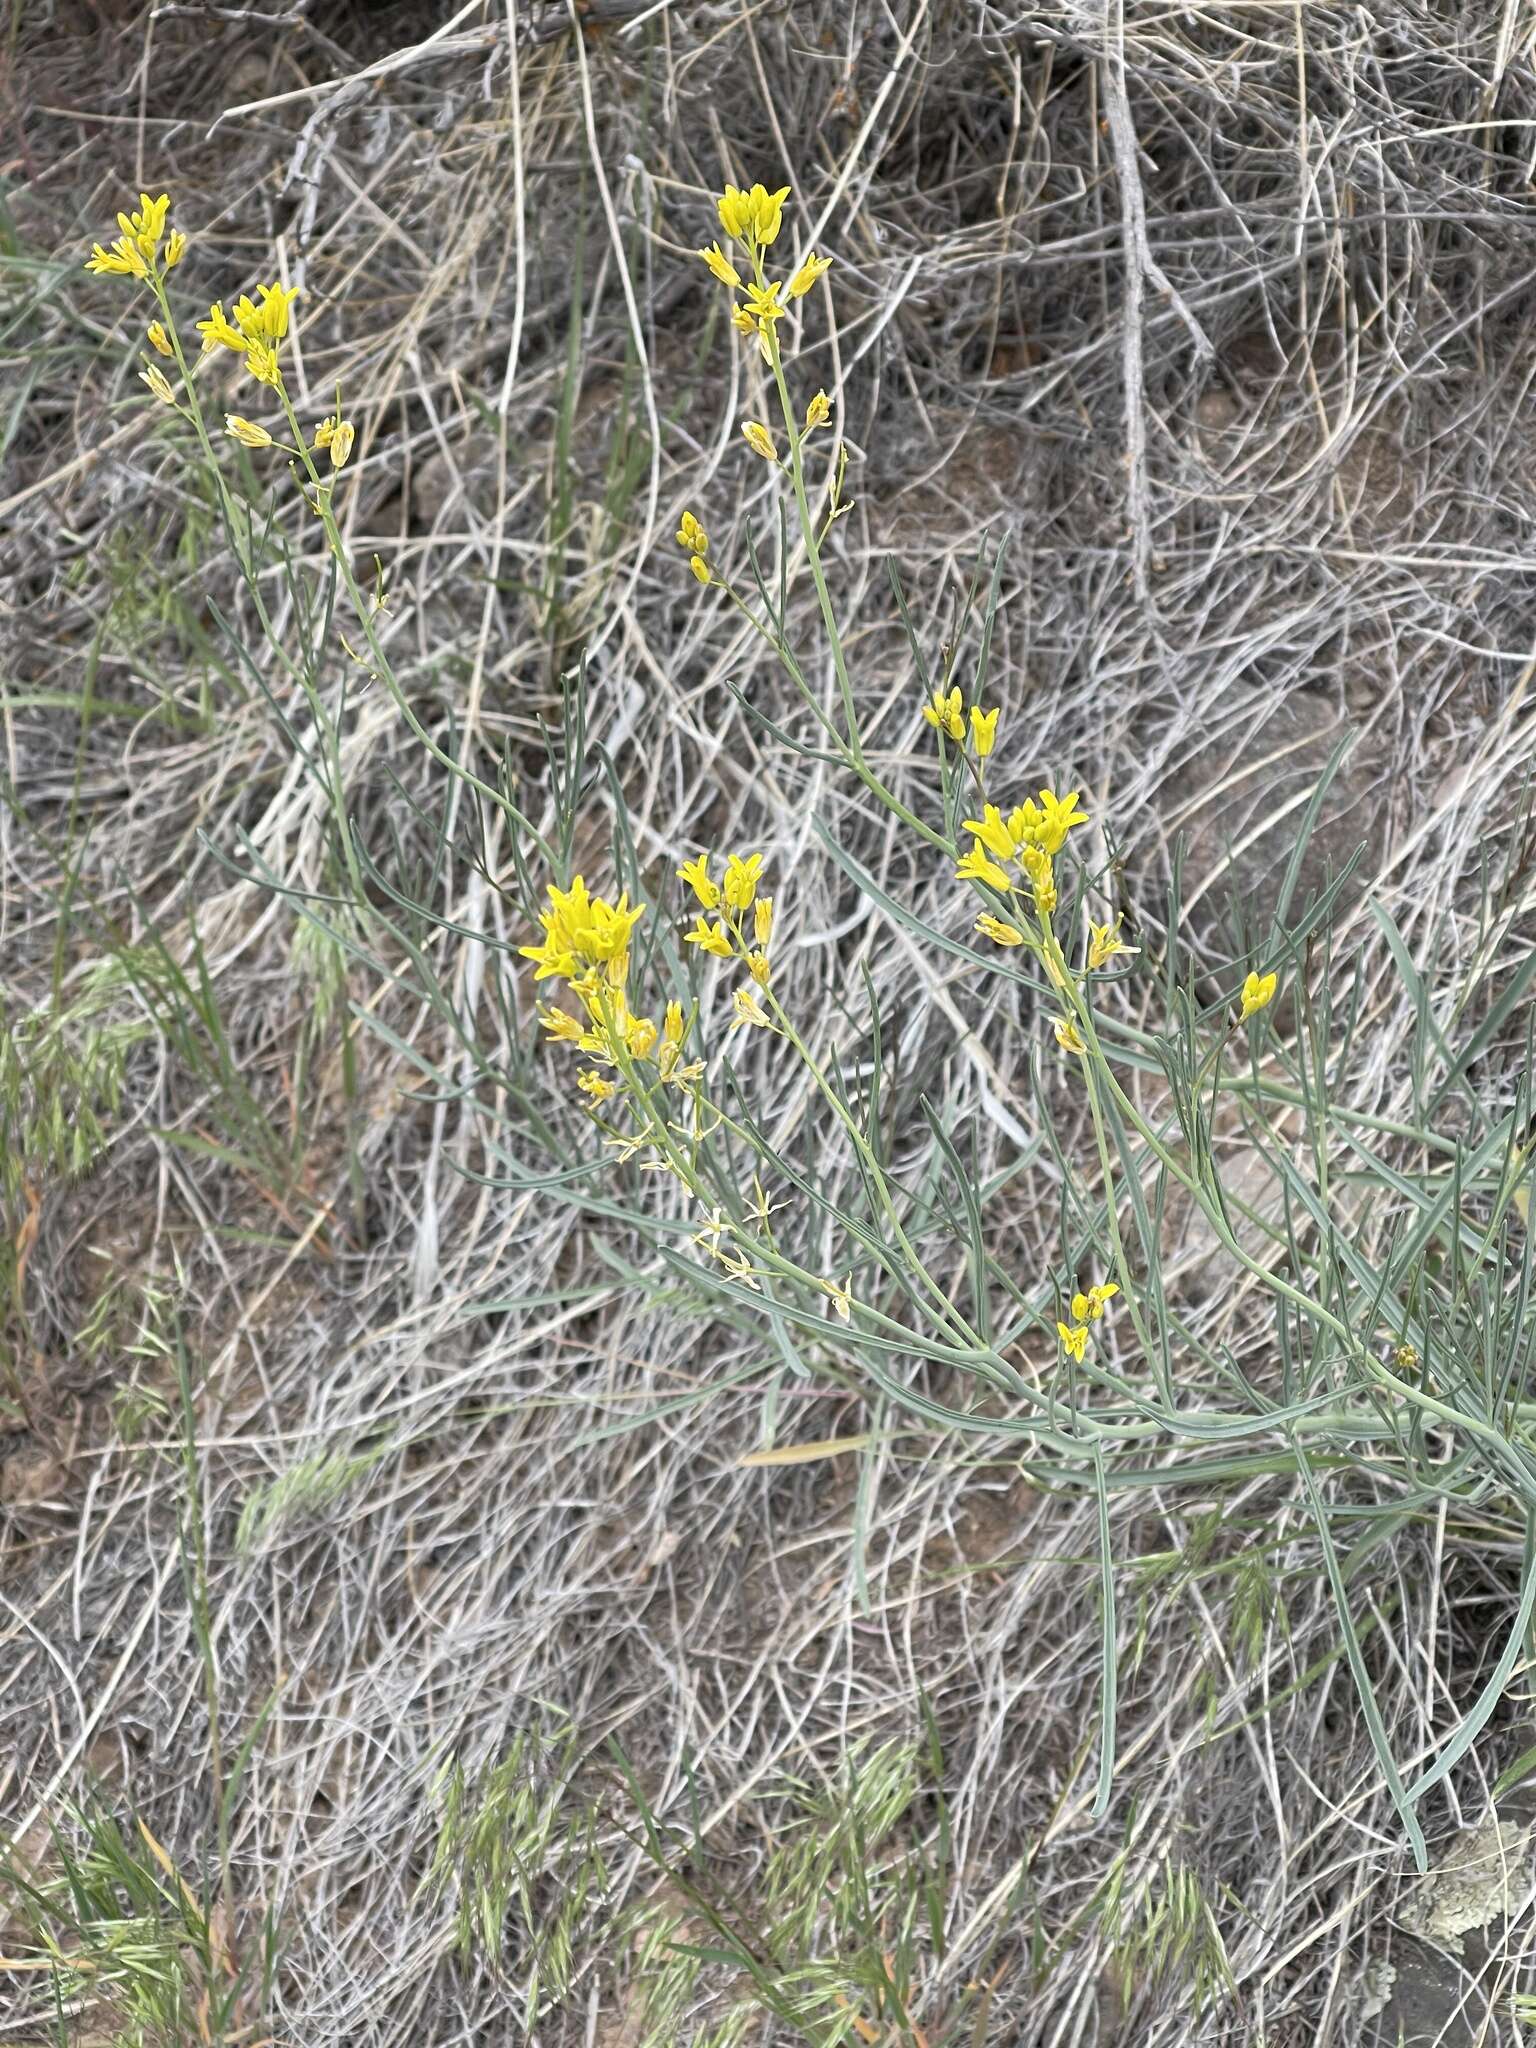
813 267
741 880
759 440
1257 991
691 536
700 568
1087 1308
748 1009
759 968
1024 825
1057 816
1067 1035
123 259
157 381
159 340
217 331
751 216
1037 865
763 302
721 265
842 1299
1074 1340
146 227
592 1083
999 931
1405 1357
1105 943
261 361
975 866
640 1038
582 931
673 1028
563 1028
341 444
246 432
269 320
742 320
696 874
947 713
762 920
818 412
983 730
992 832
175 249
713 938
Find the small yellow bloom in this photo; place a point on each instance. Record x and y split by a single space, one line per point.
159 340
218 332
842 1299
721 265
325 433
983 730
696 874
992 832
1067 1035
748 1009
341 444
700 568
1258 990
947 713
269 320
760 969
246 432
147 226
759 440
762 920
1405 1357
1105 942
157 381
741 880
977 866
713 938
261 361
1074 1340
563 1028
673 1028
592 1083
999 930
1089 1307
818 412
175 249
813 267
763 302
123 259
742 321
1057 816
691 536
640 1038
752 216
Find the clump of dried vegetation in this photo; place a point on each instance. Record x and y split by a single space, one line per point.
454 1581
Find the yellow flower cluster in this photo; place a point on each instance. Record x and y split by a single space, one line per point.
256 332
586 945
136 252
1030 836
731 935
1086 1308
694 541
945 712
753 218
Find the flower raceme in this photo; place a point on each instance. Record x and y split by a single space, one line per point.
583 934
136 252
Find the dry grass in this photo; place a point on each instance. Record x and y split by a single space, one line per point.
336 1453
